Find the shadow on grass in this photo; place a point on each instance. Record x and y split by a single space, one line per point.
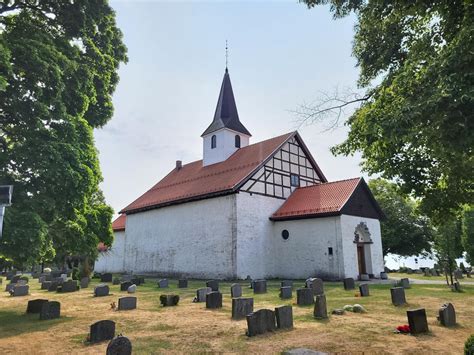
15 323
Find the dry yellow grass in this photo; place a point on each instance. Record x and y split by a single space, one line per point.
190 328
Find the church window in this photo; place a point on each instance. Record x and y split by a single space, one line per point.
213 141
285 234
295 180
330 252
237 141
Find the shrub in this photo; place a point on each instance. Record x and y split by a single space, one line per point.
25 278
469 346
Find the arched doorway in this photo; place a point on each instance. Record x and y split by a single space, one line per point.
363 242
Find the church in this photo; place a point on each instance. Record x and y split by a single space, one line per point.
260 210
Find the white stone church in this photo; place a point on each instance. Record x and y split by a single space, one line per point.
263 210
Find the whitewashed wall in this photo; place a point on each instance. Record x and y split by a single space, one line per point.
195 239
225 145
374 253
112 260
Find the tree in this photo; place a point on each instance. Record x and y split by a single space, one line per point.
404 231
415 122
58 69
448 246
468 233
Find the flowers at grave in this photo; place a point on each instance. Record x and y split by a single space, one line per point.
404 329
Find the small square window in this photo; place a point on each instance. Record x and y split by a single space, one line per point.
295 180
330 251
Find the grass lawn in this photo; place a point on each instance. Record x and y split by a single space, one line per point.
190 328
396 275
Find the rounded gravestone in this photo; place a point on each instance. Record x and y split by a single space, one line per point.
119 346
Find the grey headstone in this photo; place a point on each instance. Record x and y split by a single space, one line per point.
48 277
417 321
34 306
41 279
235 290
163 283
132 289
182 283
405 282
119 346
69 286
458 274
169 300
53 286
260 322
85 282
101 290
214 300
349 284
398 296
50 310
286 292
125 285
45 285
364 277
127 303
304 296
107 277
201 294
15 278
364 290
64 277
241 307
284 317
320 307
427 272
286 283
303 351
447 315
383 276
20 290
260 286
213 284
102 330
316 285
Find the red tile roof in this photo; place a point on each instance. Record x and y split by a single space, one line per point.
323 199
119 223
194 181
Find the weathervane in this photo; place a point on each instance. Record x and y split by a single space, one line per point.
226 54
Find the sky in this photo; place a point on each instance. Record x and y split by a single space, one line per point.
281 55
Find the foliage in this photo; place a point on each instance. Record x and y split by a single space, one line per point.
469 346
404 231
58 70
448 246
416 123
468 233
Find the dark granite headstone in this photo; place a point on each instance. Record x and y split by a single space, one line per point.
235 290
260 322
163 283
349 284
447 315
364 290
119 346
304 296
125 285
383 275
456 286
10 275
398 296
69 286
241 307
364 277
45 285
53 287
34 306
137 280
101 290
102 330
201 294
286 283
417 321
169 300
50 310
260 286
284 316
286 292
213 284
107 277
41 279
316 285
320 307
405 283
85 282
214 300
127 303
20 290
182 283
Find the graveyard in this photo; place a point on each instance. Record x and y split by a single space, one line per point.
191 327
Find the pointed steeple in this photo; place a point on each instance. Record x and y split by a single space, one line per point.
226 115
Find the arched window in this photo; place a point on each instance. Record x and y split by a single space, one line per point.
237 141
213 141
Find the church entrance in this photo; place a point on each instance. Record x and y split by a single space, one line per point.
361 259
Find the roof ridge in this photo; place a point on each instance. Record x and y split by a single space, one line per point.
328 183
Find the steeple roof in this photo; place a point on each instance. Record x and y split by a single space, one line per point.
226 115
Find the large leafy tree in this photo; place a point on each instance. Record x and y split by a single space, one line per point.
468 233
58 69
405 231
415 120
448 246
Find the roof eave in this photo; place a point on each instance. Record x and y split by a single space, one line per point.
305 216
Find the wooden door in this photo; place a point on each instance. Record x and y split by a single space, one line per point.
361 259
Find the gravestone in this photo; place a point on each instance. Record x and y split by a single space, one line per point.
260 286
41 279
235 290
398 296
316 285
64 277
304 297
10 274
349 284
213 284
320 307
427 272
127 277
169 300
107 277
119 346
116 281
132 289
201 294
15 278
447 315
137 281
364 277
85 282
22 282
125 285
9 287
48 277
214 300
34 306
260 322
69 286
458 274
383 276
127 303
284 317
182 283
20 290
286 283
241 307
50 310
53 287
56 273
456 287
45 285
405 282
417 321
101 290
102 330
163 283
286 292
364 290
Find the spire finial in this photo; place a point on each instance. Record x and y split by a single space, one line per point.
226 55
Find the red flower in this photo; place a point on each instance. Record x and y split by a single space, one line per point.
403 328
